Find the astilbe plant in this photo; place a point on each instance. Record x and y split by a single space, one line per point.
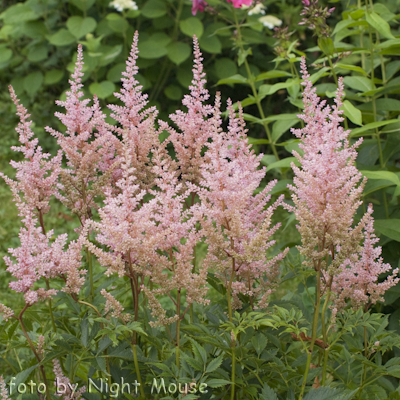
326 195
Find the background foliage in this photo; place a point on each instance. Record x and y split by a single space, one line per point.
38 40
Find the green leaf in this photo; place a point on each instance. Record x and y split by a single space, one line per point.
117 23
360 83
282 126
379 24
322 393
83 5
102 89
110 54
23 375
192 26
352 113
53 76
372 126
79 26
326 45
351 68
285 163
225 67
173 92
199 351
214 364
390 176
178 52
38 53
214 383
233 79
389 228
266 90
210 44
268 393
115 73
154 9
5 54
155 46
34 29
18 13
33 82
61 38
272 75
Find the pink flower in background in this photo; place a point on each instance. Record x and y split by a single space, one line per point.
198 5
240 3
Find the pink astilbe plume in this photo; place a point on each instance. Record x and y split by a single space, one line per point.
88 145
114 306
357 278
326 194
326 189
238 245
64 385
37 175
137 124
175 239
3 389
194 126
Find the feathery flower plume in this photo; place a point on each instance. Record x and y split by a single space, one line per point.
40 346
37 175
7 312
327 193
195 126
114 306
357 277
137 124
87 152
326 189
3 389
242 232
175 239
61 379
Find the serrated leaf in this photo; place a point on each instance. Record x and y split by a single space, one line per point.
23 375
214 383
268 393
360 83
372 126
233 79
214 364
272 74
197 348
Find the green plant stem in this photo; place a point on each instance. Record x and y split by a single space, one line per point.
32 346
178 325
364 378
135 361
253 88
233 369
324 333
314 334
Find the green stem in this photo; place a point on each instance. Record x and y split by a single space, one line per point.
178 325
233 370
32 346
314 334
135 360
253 88
324 333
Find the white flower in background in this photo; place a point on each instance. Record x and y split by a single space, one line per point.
121 5
270 21
258 9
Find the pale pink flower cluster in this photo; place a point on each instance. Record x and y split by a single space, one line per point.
357 277
88 145
40 345
3 389
40 255
237 224
64 384
114 306
6 312
326 194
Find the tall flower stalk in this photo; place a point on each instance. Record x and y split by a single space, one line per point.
327 190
